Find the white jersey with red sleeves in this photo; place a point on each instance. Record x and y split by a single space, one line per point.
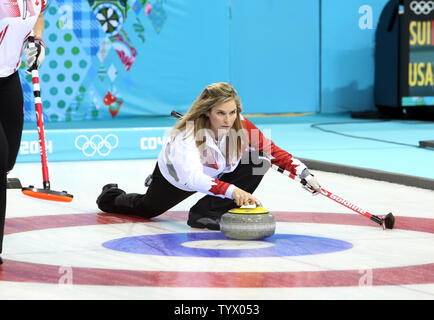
17 19
181 164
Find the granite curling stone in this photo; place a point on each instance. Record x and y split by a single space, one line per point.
247 223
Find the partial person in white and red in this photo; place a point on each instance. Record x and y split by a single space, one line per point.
18 20
213 150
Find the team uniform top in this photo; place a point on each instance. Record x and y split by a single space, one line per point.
17 19
181 164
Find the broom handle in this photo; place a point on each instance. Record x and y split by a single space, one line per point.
40 121
334 197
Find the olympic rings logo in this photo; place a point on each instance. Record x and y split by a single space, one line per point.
422 7
96 144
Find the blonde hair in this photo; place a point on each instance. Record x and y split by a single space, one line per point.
214 95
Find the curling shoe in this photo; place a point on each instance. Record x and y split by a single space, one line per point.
199 221
1 261
109 186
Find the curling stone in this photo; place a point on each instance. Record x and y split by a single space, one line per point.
247 223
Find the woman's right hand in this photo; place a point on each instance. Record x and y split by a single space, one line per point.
243 198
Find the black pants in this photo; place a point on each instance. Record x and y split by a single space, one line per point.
161 195
11 127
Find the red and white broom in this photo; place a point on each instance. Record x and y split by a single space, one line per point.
45 193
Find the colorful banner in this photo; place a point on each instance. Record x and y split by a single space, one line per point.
91 53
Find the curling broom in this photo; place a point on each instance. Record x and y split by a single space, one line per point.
45 193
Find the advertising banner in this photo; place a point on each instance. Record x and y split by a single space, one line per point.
417 54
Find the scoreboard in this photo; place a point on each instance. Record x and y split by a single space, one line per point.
417 54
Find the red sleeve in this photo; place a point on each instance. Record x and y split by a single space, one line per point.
278 156
43 5
219 188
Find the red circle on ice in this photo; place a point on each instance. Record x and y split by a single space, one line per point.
12 270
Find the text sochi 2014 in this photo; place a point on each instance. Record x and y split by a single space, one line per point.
151 143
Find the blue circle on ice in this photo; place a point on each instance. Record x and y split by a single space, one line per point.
174 244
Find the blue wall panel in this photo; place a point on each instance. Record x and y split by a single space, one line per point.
187 55
347 59
275 55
